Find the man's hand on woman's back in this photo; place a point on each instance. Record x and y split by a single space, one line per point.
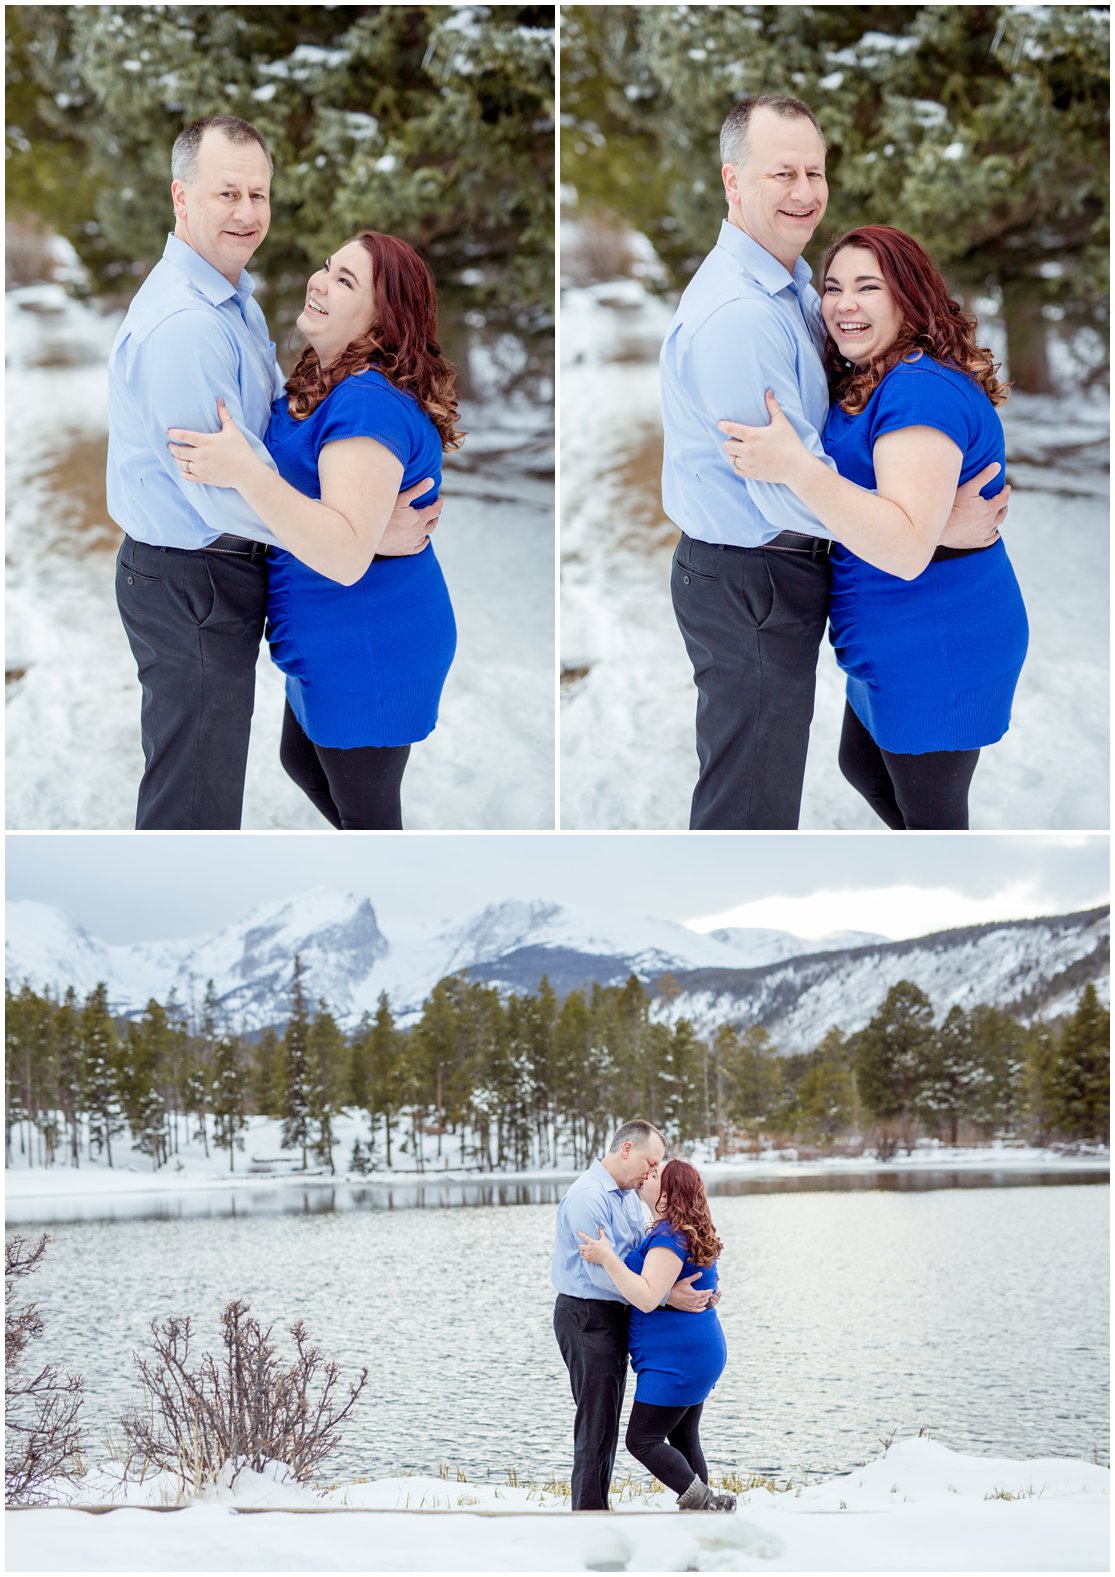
975 521
684 1296
408 530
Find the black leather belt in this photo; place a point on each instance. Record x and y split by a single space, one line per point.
800 542
239 547
784 542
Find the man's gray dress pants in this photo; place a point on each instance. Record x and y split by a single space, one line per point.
752 619
194 621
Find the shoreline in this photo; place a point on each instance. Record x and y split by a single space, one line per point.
37 1185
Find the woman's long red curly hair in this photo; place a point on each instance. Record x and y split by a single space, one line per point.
684 1204
401 342
931 321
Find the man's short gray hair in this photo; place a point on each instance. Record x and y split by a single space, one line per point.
733 133
183 156
638 1131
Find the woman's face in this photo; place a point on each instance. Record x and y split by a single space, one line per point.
651 1189
859 310
340 302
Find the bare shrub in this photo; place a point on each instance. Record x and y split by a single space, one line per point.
42 1437
241 1409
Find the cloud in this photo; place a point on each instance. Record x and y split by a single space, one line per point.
896 912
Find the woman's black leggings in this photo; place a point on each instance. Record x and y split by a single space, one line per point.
355 790
667 1440
909 793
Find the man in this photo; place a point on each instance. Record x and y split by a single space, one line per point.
191 576
590 1316
750 579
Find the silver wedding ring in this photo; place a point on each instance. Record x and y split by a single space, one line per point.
186 463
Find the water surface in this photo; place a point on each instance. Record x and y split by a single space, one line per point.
976 1313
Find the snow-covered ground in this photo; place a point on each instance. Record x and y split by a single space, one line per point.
73 748
918 1507
34 1191
627 751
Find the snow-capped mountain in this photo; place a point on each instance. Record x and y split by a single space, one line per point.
797 988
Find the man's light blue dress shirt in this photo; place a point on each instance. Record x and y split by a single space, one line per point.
189 338
744 325
595 1200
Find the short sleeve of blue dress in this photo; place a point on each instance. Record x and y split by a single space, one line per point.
678 1356
921 393
364 664
931 663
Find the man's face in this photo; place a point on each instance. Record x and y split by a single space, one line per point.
637 1165
225 211
778 195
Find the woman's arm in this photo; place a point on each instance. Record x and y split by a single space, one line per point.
661 1269
337 536
895 528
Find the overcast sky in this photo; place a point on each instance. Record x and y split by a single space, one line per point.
128 887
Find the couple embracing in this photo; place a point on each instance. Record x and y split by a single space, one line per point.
305 503
648 1289
854 496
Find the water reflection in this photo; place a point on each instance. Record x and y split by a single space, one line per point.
328 1198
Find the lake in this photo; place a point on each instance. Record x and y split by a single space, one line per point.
852 1314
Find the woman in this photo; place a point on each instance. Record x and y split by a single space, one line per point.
365 642
677 1356
932 639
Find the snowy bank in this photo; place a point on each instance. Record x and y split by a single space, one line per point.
919 1507
95 1187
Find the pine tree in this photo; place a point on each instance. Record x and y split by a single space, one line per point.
1080 1082
435 122
101 1065
297 1130
892 1055
267 1074
227 1094
149 1130
951 1070
980 129
384 1094
825 1096
71 1077
327 1055
1040 1086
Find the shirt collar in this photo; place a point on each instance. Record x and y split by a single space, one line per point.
209 280
605 1178
763 267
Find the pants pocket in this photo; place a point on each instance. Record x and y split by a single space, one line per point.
199 594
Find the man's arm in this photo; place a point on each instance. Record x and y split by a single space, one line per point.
732 361
175 378
588 1214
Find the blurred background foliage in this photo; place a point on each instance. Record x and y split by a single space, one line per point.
981 129
433 122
